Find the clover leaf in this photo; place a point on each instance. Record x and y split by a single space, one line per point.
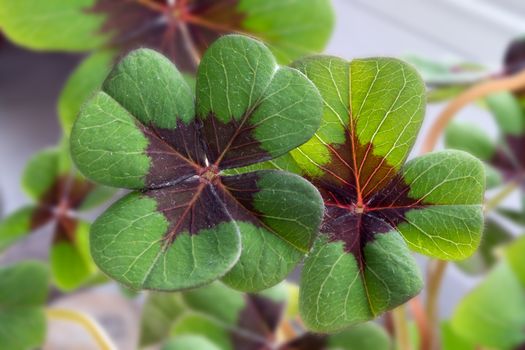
376 207
503 158
184 28
493 313
23 292
181 30
59 195
243 321
191 224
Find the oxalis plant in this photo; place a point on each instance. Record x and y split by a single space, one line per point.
180 29
190 224
197 217
267 320
60 196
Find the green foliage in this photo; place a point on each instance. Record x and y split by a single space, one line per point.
494 237
185 228
23 292
377 207
493 314
58 195
107 29
447 79
86 78
63 25
243 321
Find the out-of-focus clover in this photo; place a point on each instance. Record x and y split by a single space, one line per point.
23 292
446 79
60 195
493 314
504 158
182 30
243 322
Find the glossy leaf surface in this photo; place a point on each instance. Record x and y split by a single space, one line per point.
377 206
146 130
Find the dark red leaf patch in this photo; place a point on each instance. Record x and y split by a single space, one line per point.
64 196
363 195
175 28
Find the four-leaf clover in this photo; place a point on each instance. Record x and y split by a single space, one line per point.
376 207
189 223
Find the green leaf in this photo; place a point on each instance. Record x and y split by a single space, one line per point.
373 111
71 263
190 342
494 236
271 251
266 99
366 336
96 197
507 111
442 94
58 25
493 314
16 226
128 243
450 340
159 313
41 173
290 37
337 291
516 258
81 84
186 226
450 222
470 138
23 291
201 23
447 73
238 322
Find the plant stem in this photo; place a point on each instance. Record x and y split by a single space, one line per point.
420 318
435 273
492 203
189 44
512 83
85 322
401 328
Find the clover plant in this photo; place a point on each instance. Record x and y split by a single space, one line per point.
59 197
377 207
180 29
243 322
195 220
493 314
187 223
23 292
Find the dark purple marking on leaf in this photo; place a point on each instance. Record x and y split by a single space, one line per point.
65 195
361 203
65 229
232 144
308 341
175 29
190 207
176 154
514 59
191 195
509 158
260 317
